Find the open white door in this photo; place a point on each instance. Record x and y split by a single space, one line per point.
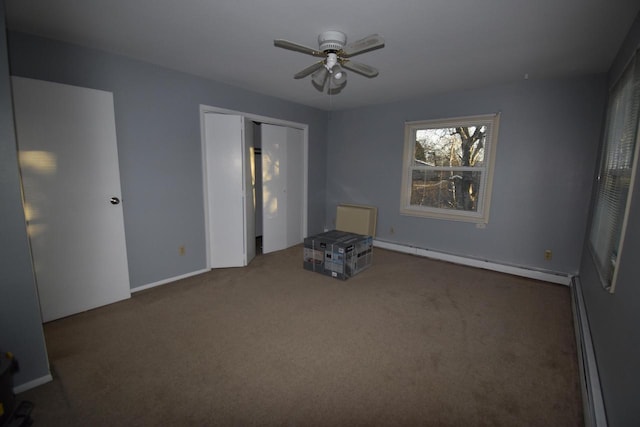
230 209
282 186
69 164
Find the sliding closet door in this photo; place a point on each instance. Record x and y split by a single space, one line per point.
230 209
249 193
71 180
282 187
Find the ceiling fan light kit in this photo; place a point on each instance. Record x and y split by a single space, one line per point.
319 78
338 75
329 73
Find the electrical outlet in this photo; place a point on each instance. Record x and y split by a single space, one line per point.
181 250
548 254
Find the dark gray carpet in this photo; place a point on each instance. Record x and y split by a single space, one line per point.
410 341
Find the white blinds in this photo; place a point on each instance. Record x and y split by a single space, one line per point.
615 173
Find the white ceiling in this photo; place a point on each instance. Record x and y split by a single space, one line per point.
431 45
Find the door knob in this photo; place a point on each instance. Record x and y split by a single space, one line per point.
114 201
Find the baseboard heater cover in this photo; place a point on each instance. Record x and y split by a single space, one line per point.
593 403
545 276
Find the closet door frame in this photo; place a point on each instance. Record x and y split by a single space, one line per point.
260 119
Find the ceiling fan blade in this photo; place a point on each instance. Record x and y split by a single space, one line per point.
374 41
357 67
308 70
285 44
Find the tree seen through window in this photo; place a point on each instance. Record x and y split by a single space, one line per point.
442 176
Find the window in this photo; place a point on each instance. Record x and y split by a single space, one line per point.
448 168
615 174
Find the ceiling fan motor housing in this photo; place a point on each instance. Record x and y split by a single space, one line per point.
332 41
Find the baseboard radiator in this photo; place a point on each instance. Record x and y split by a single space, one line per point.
593 403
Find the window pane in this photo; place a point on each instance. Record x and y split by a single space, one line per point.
450 189
615 173
450 147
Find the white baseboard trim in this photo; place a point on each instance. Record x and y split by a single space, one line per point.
559 278
592 400
165 281
32 384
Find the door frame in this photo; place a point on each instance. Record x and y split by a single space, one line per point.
256 118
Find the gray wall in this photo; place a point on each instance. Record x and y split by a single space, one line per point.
20 321
159 146
548 138
158 130
614 319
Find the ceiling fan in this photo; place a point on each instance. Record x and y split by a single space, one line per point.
333 48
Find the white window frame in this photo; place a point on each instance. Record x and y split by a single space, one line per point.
619 156
481 215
